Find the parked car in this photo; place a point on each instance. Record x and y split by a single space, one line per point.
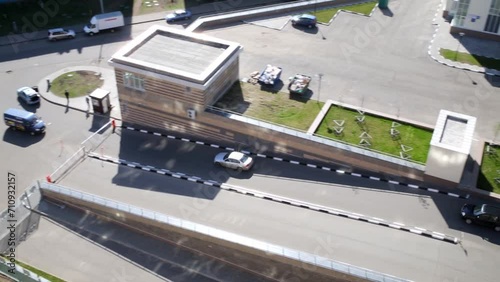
29 95
304 20
234 160
60 33
178 16
484 214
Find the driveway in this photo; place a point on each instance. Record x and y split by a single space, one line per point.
379 63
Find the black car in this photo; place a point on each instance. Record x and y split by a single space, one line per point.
482 214
304 20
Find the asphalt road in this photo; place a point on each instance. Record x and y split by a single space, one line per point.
398 253
378 63
386 250
27 64
390 72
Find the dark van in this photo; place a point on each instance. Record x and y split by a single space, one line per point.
24 121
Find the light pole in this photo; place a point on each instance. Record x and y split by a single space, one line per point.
320 75
102 7
461 35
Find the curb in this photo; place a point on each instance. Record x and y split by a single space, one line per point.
70 69
350 12
283 200
338 171
441 60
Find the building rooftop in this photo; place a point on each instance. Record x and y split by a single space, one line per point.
454 131
176 53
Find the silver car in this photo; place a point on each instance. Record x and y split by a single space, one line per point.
59 33
234 160
28 95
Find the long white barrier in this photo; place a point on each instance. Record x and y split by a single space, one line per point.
96 139
303 257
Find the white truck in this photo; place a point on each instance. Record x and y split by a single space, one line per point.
108 21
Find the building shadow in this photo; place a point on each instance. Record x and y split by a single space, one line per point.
387 12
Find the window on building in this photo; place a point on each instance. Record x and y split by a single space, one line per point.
132 81
493 20
463 8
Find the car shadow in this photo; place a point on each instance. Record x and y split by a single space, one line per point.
30 108
273 88
313 30
21 138
301 97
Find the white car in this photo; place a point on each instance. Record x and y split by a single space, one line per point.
234 160
28 95
60 33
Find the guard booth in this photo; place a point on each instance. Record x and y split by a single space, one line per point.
100 101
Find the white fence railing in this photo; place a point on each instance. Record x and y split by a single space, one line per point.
25 220
303 257
67 165
88 145
96 139
20 273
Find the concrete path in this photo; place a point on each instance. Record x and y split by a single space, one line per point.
83 103
443 39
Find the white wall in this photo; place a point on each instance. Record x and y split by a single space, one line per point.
445 164
477 8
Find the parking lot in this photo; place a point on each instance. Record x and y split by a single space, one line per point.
371 63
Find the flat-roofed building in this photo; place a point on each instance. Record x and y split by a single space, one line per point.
166 76
479 18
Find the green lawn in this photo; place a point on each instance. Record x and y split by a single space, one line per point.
79 83
249 100
164 5
324 16
379 129
490 168
470 59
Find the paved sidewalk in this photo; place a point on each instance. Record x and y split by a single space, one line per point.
443 39
80 103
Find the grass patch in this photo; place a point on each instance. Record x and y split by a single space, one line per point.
164 5
324 16
490 167
470 59
39 272
379 129
79 83
280 108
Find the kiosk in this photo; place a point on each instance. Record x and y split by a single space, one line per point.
100 101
